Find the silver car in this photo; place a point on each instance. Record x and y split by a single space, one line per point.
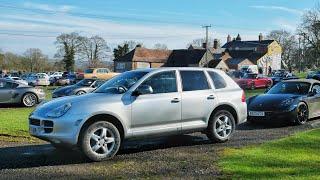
82 87
143 103
12 92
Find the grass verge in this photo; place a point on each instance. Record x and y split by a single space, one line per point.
295 157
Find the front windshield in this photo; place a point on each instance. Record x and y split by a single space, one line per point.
299 88
85 82
126 80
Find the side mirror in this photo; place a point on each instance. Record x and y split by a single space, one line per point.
142 89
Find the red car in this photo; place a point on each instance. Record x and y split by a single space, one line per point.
253 81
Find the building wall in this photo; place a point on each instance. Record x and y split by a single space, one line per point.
122 66
156 65
205 59
223 66
272 58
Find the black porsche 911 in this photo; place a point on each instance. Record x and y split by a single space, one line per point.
292 100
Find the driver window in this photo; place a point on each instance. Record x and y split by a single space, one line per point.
317 88
163 82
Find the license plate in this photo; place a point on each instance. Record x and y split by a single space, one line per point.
256 113
33 130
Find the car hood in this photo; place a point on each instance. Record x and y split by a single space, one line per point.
79 103
270 102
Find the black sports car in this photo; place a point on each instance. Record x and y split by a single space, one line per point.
292 100
282 75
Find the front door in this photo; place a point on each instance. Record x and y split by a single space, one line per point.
6 92
160 110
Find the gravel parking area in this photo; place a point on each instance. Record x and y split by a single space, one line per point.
185 156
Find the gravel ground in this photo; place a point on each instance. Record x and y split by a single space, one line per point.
185 156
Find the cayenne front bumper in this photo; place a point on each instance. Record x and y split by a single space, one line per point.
63 130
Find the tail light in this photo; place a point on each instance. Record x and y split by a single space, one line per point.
243 97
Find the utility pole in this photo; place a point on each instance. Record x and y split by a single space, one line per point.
207 37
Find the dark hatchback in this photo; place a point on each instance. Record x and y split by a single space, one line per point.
293 100
281 76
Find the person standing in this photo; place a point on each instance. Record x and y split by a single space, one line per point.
269 70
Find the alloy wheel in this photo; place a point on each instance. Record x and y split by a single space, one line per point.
102 141
223 126
302 114
29 100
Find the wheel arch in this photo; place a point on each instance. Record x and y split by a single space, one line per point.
103 117
228 108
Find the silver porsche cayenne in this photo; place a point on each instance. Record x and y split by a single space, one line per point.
140 104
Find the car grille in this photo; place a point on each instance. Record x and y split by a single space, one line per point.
46 124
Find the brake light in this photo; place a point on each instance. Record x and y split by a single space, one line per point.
243 97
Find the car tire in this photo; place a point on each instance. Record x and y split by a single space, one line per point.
221 126
100 141
29 99
302 115
80 93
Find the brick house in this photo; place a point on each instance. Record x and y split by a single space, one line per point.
263 53
141 58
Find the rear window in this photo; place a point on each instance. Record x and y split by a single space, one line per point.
218 80
88 71
193 80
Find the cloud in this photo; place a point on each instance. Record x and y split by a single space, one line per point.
47 7
279 8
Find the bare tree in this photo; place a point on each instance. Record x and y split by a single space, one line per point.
35 59
160 46
132 44
309 30
68 45
289 46
94 50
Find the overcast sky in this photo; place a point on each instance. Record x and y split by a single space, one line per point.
25 24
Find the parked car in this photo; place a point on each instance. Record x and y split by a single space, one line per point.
56 74
99 73
314 75
280 76
39 79
249 69
253 81
143 103
236 74
82 87
19 80
12 92
292 100
66 80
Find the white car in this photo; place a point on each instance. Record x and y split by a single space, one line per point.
39 79
56 75
19 80
143 103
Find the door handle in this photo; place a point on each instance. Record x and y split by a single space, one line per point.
210 97
175 100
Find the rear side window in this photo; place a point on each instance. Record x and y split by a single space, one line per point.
218 80
193 80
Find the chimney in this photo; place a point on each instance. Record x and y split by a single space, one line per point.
204 45
229 38
215 43
238 38
260 37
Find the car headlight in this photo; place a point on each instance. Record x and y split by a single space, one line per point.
286 102
59 111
